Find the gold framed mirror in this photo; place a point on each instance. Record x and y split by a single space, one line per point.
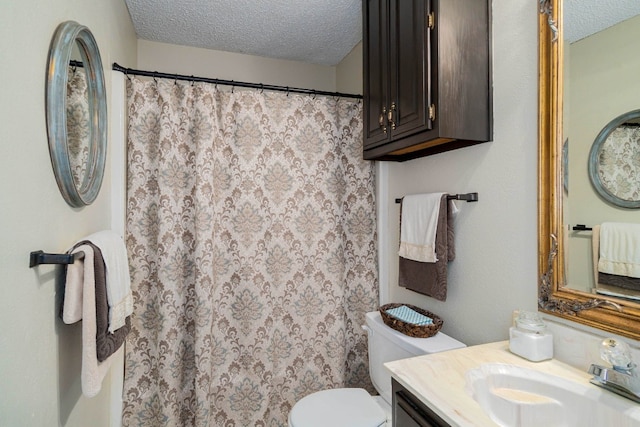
556 296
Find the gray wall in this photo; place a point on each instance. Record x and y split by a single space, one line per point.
495 270
39 356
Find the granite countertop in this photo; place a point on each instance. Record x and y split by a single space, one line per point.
438 380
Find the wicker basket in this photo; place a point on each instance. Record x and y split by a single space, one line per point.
416 331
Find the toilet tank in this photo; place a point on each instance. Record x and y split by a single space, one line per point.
387 344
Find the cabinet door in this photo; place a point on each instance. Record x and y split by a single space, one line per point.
375 68
410 71
408 411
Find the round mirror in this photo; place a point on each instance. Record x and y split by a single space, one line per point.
76 111
614 161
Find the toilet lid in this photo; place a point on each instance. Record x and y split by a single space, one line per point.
339 407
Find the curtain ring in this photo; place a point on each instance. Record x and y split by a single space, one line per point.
261 88
287 91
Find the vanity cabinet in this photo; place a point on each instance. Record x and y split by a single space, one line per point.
427 77
408 411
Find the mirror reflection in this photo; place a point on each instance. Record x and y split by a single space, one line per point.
601 82
614 161
78 122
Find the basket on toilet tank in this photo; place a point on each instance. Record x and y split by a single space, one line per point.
408 327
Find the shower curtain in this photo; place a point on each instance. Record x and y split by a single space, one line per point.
78 130
252 244
618 164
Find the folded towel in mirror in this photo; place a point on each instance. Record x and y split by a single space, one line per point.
619 243
625 282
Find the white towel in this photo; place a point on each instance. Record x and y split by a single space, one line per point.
116 263
80 304
418 227
595 251
619 249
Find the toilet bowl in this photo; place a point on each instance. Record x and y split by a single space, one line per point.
355 407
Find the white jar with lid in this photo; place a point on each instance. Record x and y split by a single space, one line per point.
529 338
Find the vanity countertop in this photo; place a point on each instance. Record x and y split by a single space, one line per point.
438 380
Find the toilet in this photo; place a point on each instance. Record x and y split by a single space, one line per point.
355 407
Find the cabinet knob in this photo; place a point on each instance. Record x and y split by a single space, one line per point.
381 120
390 115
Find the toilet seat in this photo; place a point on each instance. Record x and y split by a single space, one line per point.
339 407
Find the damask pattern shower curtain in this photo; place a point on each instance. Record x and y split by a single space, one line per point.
78 130
251 236
618 165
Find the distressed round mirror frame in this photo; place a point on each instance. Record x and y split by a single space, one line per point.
66 35
594 160
609 314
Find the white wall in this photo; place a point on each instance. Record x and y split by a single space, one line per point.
39 355
349 72
600 91
495 269
167 58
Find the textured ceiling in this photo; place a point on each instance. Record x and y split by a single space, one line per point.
313 31
586 17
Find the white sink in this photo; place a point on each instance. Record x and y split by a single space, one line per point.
515 396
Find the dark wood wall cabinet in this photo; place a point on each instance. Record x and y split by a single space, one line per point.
427 76
408 411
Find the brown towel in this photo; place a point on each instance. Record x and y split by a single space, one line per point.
631 283
106 343
431 278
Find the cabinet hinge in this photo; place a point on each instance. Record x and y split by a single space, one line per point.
432 112
431 20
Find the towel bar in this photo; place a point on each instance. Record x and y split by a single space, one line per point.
469 197
40 257
581 227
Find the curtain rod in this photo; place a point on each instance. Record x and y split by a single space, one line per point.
260 86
